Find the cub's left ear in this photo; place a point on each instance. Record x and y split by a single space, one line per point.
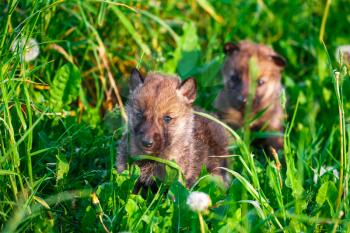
230 48
188 89
279 60
136 79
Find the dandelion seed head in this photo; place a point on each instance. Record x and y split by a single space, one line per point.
28 49
198 201
342 54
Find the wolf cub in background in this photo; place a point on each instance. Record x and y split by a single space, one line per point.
162 123
231 101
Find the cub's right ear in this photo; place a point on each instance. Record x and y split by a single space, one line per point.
136 79
230 48
188 90
279 60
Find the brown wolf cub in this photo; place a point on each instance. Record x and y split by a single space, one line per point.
162 123
231 101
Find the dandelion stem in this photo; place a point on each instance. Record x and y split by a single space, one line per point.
341 214
324 19
341 129
201 222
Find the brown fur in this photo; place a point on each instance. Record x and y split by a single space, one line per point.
231 101
188 139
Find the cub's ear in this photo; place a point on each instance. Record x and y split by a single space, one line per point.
279 60
136 79
188 89
230 47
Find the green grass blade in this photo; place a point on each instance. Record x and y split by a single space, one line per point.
128 25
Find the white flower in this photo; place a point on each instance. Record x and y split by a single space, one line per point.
323 171
343 53
198 201
28 49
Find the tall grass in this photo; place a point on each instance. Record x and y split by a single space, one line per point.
62 114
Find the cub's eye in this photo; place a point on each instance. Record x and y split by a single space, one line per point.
167 119
139 115
260 82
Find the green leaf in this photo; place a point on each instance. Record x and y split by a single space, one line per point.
327 192
65 87
131 207
7 172
293 181
62 167
332 197
322 194
171 174
186 55
182 214
134 208
206 74
189 41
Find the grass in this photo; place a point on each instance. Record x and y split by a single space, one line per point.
61 115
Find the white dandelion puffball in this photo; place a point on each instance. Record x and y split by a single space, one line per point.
28 49
343 52
198 201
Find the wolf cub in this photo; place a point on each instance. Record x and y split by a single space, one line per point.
161 123
231 101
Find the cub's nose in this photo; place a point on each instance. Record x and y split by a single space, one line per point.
147 142
242 99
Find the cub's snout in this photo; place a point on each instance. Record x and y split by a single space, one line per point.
149 137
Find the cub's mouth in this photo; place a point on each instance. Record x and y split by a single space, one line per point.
149 145
155 150
149 152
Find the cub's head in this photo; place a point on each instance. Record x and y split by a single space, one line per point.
237 78
159 110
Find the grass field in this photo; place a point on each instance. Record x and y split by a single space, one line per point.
60 119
